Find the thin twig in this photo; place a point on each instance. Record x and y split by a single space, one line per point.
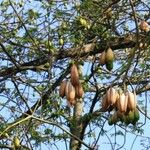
8 55
133 142
59 126
25 100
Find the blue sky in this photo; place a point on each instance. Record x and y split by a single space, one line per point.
103 142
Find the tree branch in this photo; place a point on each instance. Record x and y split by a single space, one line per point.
45 97
117 43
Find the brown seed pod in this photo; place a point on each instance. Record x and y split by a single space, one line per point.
119 114
116 105
71 102
117 95
104 103
102 58
109 13
131 101
79 91
88 47
111 96
144 26
70 93
62 88
141 45
109 56
122 103
74 75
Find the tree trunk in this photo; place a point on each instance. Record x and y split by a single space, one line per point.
76 126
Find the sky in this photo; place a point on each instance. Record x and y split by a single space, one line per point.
104 142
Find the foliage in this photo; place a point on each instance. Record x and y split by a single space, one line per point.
39 40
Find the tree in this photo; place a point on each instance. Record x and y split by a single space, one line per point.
39 42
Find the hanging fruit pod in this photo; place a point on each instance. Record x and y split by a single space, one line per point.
131 101
113 119
16 142
62 88
120 115
112 96
102 60
74 75
109 58
116 104
71 102
109 55
131 116
122 103
79 91
136 116
109 13
70 93
109 65
104 103
144 26
126 119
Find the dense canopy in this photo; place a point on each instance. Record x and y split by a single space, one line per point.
40 41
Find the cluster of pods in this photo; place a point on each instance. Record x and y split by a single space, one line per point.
107 58
124 105
72 88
